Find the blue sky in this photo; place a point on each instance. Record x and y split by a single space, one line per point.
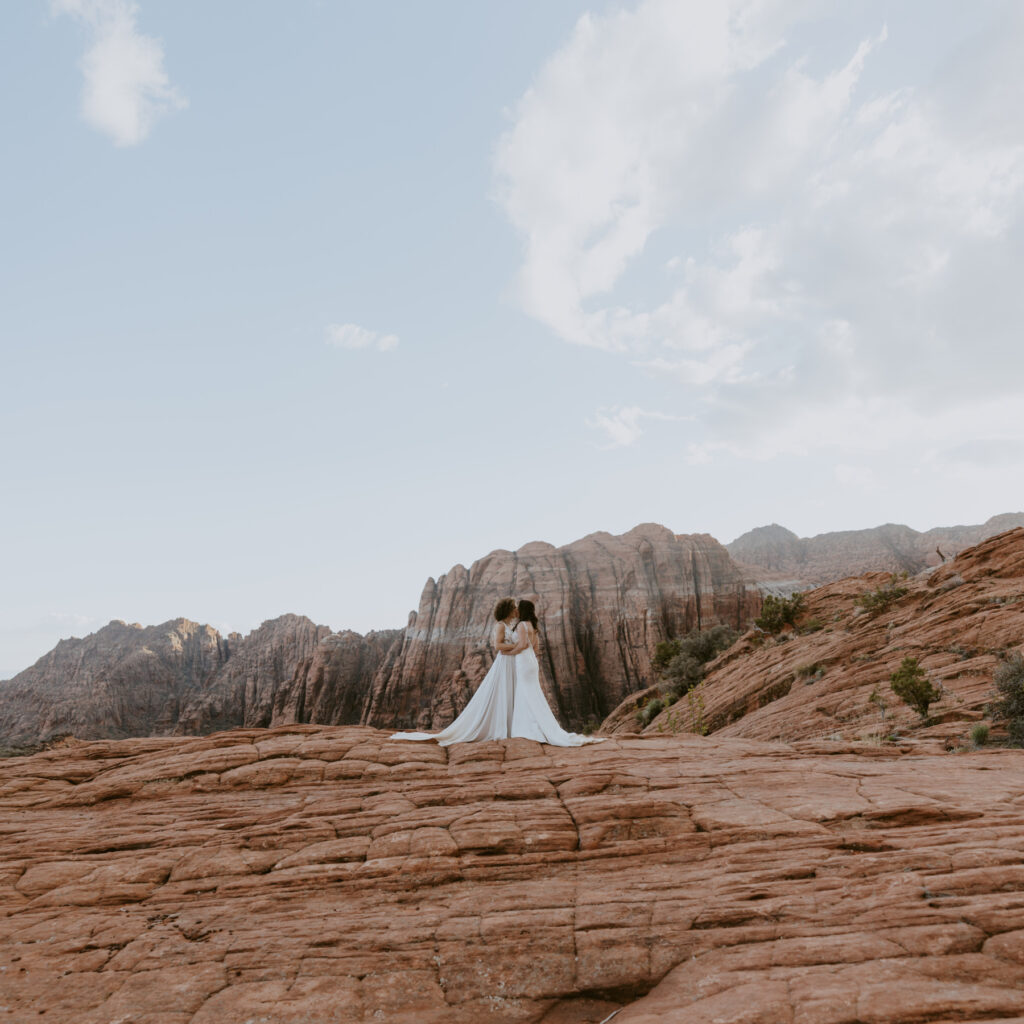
302 303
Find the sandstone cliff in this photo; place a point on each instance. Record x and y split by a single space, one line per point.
318 875
247 688
775 552
604 603
123 680
181 677
815 681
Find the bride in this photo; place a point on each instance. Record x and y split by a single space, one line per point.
509 701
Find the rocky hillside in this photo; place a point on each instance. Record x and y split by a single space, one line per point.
605 603
774 552
816 680
180 677
318 875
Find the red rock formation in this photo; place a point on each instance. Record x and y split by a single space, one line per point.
604 602
958 620
772 552
120 681
184 678
318 875
332 685
262 667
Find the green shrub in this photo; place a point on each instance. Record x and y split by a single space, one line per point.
663 654
779 612
876 601
814 625
681 661
911 684
979 734
650 711
1009 705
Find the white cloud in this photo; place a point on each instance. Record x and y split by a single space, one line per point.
126 88
621 424
354 336
841 262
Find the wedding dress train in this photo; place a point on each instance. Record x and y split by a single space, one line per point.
532 716
508 702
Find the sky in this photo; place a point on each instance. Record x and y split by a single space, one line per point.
302 303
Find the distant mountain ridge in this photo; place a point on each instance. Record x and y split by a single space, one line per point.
606 602
774 552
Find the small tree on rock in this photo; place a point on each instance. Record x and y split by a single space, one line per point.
1009 683
911 684
779 612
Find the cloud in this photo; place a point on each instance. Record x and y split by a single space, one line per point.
354 336
621 424
126 89
816 262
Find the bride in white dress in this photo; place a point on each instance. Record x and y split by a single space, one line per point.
509 701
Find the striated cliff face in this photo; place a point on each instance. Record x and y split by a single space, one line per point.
816 681
123 680
604 603
774 551
262 666
184 678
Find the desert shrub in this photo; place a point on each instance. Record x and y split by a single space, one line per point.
684 669
779 612
664 653
979 734
876 601
814 625
650 711
911 684
1009 705
877 698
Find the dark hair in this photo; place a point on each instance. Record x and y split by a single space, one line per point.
526 613
504 608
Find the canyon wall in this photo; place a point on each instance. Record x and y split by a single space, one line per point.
604 604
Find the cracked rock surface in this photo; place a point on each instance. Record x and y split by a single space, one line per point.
315 874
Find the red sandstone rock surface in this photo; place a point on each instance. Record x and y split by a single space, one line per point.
957 620
306 875
775 552
604 602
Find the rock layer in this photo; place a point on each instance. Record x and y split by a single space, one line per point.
604 603
316 874
773 551
816 681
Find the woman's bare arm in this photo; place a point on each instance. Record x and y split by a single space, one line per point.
524 642
503 645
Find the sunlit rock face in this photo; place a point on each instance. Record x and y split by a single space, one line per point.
604 604
327 875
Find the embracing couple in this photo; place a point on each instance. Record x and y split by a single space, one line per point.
509 701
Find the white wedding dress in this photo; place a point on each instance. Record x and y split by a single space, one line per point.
508 702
